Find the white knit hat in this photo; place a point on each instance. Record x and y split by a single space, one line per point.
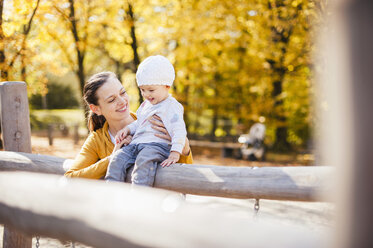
155 70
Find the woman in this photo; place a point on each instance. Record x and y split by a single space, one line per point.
109 113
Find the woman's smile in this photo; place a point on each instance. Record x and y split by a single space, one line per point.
123 109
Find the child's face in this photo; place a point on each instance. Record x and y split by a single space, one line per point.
154 93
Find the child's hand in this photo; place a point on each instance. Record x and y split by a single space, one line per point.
124 142
121 135
173 158
127 140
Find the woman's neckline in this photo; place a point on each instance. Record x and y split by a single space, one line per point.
114 128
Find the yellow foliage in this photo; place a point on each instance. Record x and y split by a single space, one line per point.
227 54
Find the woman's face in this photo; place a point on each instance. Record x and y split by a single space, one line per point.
113 101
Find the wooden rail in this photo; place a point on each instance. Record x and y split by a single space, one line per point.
227 149
209 144
301 183
117 215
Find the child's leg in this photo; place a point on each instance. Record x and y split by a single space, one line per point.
119 163
148 158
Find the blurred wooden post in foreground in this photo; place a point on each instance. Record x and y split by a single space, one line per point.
360 19
348 135
15 124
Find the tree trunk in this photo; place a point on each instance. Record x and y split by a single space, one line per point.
280 36
3 66
214 122
216 106
26 31
23 64
136 57
2 56
80 53
281 144
186 107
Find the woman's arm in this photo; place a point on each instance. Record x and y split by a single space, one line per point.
186 155
186 150
87 163
93 159
159 126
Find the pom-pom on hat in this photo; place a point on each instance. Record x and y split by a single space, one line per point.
155 70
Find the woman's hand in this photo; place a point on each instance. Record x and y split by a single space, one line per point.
159 126
186 149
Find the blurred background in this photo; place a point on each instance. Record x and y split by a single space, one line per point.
237 63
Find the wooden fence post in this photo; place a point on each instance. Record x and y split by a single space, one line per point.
15 125
76 133
50 134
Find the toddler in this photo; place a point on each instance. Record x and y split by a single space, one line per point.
154 76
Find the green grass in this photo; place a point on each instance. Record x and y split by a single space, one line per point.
40 119
69 116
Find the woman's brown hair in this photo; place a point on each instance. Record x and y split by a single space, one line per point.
90 97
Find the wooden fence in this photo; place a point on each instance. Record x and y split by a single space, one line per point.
64 129
303 183
109 215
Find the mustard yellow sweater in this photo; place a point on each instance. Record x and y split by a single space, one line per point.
92 160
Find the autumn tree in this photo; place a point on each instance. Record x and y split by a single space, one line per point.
288 25
2 45
13 46
122 48
237 62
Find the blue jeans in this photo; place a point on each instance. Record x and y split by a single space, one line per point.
145 156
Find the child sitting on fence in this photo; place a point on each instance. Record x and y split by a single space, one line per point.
154 76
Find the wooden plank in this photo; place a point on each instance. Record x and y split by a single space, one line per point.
301 183
15 126
13 238
18 161
117 215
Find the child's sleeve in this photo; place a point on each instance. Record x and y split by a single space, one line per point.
174 123
133 126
